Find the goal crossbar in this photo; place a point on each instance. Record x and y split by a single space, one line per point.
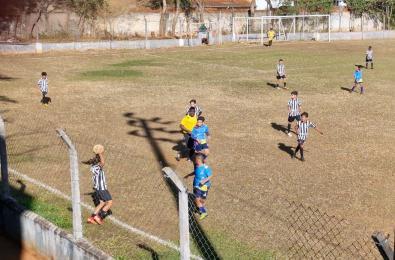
253 28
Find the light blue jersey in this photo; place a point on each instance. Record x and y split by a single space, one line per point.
202 172
200 133
358 75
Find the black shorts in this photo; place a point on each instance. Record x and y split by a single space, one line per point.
190 143
103 195
301 141
293 118
281 77
369 60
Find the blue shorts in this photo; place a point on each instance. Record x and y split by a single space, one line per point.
199 193
199 147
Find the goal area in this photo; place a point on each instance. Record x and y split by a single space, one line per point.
288 28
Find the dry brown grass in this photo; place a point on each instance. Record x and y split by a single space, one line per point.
348 172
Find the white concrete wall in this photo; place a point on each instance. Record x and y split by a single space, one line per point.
36 232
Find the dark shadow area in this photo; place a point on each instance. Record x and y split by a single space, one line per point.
10 225
136 63
273 85
346 89
154 255
199 236
46 100
6 99
5 78
278 127
285 148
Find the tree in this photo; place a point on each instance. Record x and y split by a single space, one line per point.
158 4
175 18
87 10
44 7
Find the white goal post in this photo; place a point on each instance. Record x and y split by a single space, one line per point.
288 28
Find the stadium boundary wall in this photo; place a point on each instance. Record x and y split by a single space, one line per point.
154 44
36 232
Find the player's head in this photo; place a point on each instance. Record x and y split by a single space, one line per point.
357 67
192 102
370 47
191 111
294 94
281 61
43 74
304 116
200 121
271 28
199 159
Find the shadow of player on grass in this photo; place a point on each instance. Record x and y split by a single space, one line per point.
147 131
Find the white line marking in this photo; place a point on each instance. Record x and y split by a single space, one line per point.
113 219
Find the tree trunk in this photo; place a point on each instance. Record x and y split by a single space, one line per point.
175 18
35 23
162 22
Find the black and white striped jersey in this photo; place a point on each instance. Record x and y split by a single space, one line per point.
43 85
98 177
294 106
281 69
303 129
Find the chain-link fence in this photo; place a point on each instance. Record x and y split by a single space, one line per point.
262 226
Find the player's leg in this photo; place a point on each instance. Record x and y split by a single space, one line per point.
353 87
290 120
301 151
371 64
361 88
278 81
285 81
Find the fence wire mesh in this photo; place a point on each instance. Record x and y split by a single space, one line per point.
238 227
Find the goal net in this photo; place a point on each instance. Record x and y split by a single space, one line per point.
288 28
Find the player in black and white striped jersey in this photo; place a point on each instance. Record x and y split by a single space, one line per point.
294 109
281 74
43 86
101 197
302 129
198 109
369 57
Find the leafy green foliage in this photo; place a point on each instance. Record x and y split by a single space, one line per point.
87 9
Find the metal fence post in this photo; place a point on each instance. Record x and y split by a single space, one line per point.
3 159
145 33
75 185
182 211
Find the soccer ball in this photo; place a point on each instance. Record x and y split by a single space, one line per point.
97 149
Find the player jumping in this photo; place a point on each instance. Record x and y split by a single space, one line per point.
101 193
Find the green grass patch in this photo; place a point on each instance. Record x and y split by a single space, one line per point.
110 74
60 216
135 63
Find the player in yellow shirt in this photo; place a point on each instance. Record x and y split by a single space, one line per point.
271 34
187 124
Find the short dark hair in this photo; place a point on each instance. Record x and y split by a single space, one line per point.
280 60
192 100
199 156
294 93
191 109
370 47
305 114
43 73
201 118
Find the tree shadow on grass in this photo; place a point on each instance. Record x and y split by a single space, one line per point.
199 236
154 254
6 78
6 99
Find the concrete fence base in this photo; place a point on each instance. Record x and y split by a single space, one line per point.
166 43
35 232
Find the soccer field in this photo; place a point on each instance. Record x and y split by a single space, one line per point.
117 97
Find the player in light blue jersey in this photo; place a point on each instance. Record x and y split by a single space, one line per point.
201 184
358 79
200 134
